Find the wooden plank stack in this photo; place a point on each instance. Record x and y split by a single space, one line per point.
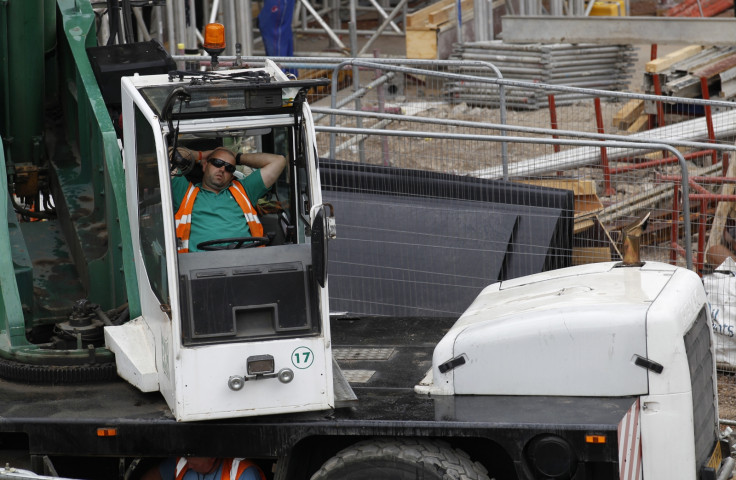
631 117
681 71
431 31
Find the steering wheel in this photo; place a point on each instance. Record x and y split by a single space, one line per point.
233 243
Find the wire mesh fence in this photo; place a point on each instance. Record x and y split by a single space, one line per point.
474 162
438 195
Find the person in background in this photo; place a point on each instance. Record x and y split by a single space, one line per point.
274 21
205 468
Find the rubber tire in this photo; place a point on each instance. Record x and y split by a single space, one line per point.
401 459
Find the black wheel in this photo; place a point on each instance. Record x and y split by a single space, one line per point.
401 459
232 243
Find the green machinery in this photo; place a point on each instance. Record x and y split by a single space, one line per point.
63 199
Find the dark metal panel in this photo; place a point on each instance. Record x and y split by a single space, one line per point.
426 243
410 256
700 360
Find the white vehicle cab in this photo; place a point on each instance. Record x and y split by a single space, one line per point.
618 330
238 331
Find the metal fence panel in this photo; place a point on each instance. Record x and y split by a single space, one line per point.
619 154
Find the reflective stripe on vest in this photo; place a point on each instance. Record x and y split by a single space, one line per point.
181 468
232 468
183 217
251 216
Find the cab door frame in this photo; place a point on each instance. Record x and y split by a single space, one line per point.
157 318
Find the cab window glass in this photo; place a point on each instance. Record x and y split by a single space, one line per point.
150 212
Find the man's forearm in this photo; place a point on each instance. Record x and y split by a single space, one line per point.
270 164
194 155
257 160
252 160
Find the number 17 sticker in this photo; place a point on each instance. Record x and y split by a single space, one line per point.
302 358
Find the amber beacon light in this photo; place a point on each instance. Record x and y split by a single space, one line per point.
214 40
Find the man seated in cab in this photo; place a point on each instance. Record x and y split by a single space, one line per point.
221 205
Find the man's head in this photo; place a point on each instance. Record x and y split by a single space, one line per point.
218 171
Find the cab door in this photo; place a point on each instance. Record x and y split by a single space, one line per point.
149 207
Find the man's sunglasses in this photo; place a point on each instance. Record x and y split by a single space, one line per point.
218 163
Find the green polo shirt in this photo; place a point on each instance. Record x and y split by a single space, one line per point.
217 215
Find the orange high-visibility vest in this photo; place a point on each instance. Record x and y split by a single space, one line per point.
183 216
232 468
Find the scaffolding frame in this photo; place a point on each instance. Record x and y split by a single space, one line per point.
174 24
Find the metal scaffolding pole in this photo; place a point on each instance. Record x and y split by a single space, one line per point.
231 29
171 34
480 24
556 8
157 23
181 23
215 10
356 73
237 17
324 25
245 26
383 14
383 26
335 18
143 34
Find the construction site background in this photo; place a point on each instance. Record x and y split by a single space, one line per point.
448 122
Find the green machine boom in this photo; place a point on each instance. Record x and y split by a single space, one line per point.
67 267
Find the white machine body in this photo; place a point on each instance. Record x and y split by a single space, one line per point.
598 330
236 332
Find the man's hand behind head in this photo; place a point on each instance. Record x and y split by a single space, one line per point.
271 165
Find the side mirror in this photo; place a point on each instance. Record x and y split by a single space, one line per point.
323 230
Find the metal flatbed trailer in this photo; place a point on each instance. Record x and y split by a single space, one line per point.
116 420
